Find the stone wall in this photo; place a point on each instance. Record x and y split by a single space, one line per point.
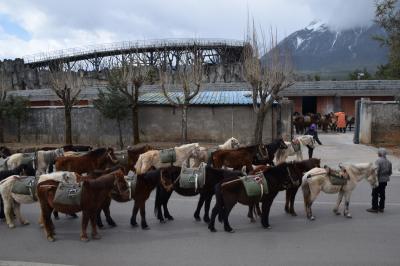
379 122
157 124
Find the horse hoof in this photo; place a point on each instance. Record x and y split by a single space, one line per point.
169 218
206 219
134 224
84 239
11 226
101 226
96 237
212 229
293 213
25 223
197 218
229 230
145 227
348 215
162 222
50 239
112 224
252 220
312 218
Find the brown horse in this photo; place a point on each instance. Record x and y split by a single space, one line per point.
94 192
145 184
231 191
238 158
94 160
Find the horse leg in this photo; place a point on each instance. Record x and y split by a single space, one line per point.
266 207
17 212
7 211
99 222
292 199
158 204
84 224
250 214
95 234
55 214
134 214
198 208
338 201
206 217
217 208
288 196
106 210
167 215
143 216
229 201
347 196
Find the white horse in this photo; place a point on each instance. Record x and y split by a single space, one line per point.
230 144
47 158
304 140
317 180
13 201
152 158
14 160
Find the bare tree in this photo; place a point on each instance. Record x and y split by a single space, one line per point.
187 77
127 74
67 84
267 78
5 86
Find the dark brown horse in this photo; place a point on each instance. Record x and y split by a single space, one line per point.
97 159
94 192
213 176
231 191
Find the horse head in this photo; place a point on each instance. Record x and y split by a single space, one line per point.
234 143
111 156
281 143
120 188
168 176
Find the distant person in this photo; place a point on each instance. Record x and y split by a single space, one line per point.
341 121
312 130
384 173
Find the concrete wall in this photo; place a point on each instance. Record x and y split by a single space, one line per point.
157 124
379 122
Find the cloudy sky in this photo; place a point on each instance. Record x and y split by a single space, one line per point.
34 26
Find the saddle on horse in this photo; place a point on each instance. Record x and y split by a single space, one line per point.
255 185
168 155
335 177
25 185
193 177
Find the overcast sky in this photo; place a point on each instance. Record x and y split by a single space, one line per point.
34 26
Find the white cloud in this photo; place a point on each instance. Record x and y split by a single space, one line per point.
64 24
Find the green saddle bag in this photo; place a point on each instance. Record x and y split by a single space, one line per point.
194 178
168 155
255 185
68 194
25 185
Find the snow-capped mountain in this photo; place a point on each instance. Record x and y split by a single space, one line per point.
317 48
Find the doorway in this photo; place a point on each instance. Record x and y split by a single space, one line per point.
309 104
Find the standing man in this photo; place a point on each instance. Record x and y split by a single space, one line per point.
341 121
312 130
384 173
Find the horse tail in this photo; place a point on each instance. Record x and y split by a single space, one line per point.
305 186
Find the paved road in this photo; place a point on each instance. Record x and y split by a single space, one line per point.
367 239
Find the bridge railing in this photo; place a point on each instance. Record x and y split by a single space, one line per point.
128 45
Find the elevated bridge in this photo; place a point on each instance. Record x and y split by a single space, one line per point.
153 52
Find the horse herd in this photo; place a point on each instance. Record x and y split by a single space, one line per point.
324 122
87 180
